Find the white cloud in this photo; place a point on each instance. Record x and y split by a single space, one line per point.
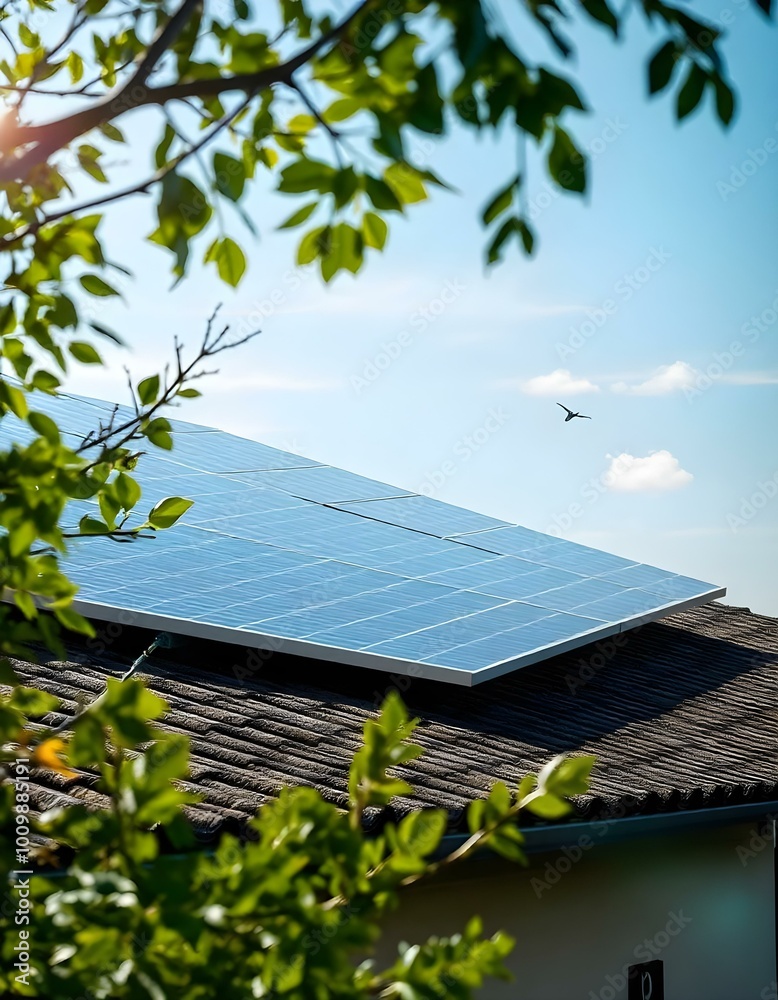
667 378
658 471
558 383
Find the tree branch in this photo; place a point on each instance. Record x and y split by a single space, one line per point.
162 41
50 137
141 187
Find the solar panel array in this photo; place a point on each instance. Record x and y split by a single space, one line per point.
279 552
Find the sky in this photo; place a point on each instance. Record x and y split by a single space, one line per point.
651 305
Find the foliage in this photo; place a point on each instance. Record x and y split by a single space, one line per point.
56 487
294 911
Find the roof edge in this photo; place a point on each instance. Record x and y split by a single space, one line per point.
584 835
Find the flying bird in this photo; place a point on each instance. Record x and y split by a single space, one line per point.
570 414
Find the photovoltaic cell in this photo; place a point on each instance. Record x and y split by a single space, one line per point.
283 552
324 484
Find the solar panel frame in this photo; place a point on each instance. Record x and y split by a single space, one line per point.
271 552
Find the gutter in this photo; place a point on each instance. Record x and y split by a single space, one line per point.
554 837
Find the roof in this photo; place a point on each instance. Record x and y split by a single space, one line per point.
681 715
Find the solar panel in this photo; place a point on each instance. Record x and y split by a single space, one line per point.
284 553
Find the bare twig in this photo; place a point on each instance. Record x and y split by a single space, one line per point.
111 436
334 136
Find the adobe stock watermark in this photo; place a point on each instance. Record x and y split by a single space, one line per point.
750 506
648 949
463 451
627 286
589 493
724 361
570 854
740 173
20 878
418 323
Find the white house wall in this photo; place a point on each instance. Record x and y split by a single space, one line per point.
703 904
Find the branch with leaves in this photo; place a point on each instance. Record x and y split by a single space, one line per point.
95 472
260 916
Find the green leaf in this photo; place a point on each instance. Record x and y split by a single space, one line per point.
33 701
661 67
344 252
501 202
128 491
527 236
567 775
127 708
566 164
306 175
112 132
87 747
160 155
75 66
313 244
12 398
691 92
344 186
7 319
229 175
183 211
725 100
503 234
148 390
73 621
89 525
600 11
230 261
341 109
105 332
8 675
381 195
28 37
44 381
95 285
25 604
549 806
476 813
301 124
88 158
557 93
374 230
158 432
507 841
168 511
421 832
45 426
298 217
84 353
405 182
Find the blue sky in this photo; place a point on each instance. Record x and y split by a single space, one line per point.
638 309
